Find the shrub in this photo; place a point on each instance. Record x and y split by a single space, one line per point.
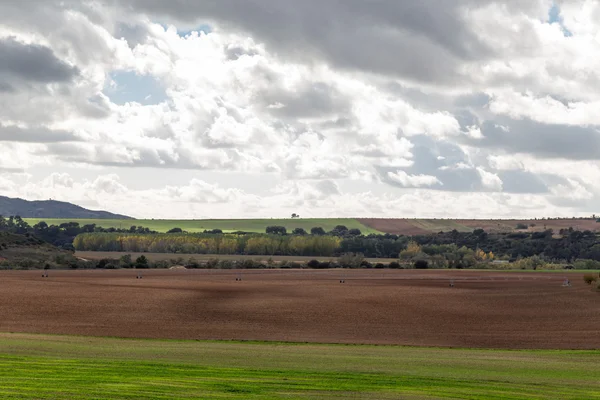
521 226
141 260
351 260
313 264
590 278
317 231
276 230
175 230
421 264
395 265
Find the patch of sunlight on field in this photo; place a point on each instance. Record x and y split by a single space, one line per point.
227 225
64 367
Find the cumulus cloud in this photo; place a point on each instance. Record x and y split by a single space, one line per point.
475 106
407 180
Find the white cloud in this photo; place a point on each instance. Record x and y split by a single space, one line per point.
407 180
490 180
441 98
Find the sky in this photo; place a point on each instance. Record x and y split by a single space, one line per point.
325 108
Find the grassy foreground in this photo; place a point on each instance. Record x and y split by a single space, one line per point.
61 367
227 225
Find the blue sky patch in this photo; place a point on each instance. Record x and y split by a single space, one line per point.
554 17
202 28
185 32
131 87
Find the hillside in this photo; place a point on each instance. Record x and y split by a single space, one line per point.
51 209
27 251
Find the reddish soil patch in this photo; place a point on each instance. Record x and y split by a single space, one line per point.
394 226
491 310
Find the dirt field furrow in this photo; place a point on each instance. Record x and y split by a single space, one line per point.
483 309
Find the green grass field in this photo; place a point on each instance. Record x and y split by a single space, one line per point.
227 225
63 367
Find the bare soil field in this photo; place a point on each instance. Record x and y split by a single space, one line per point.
484 309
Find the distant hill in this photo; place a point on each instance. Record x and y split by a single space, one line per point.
51 209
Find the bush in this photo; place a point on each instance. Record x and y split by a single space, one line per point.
276 230
586 264
421 264
590 278
521 226
351 260
313 264
317 231
175 230
395 265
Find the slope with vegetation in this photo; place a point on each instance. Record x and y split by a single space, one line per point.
27 251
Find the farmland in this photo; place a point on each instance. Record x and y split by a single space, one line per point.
226 225
409 307
67 367
366 225
265 334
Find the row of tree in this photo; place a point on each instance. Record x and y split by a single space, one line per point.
256 244
451 249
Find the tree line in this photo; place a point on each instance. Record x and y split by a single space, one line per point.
61 235
442 250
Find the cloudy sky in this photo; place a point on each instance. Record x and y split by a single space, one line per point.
362 108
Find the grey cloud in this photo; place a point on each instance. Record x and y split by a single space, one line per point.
133 34
517 181
235 52
33 62
543 140
421 40
313 100
6 88
35 135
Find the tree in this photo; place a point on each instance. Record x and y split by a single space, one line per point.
421 264
412 250
317 231
294 216
141 262
354 232
276 230
41 226
125 260
175 230
299 231
339 230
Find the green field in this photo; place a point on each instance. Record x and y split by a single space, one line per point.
63 367
227 225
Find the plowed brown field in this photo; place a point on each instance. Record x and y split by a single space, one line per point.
493 310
